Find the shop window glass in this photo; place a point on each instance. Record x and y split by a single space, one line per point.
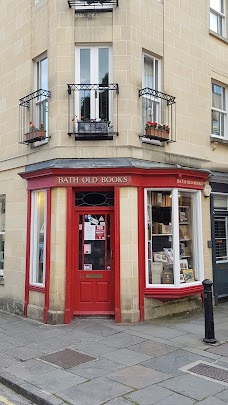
174 238
38 238
221 202
2 232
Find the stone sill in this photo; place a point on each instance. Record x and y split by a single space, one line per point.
152 141
214 34
213 139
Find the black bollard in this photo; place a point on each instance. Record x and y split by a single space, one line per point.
208 312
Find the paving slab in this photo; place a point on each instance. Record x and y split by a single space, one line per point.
171 362
97 368
126 357
25 370
121 340
138 376
150 395
55 381
192 387
211 401
152 348
176 399
223 396
94 392
221 350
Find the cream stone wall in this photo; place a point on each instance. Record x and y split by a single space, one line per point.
12 291
129 299
58 251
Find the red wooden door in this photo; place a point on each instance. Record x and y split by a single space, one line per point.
94 290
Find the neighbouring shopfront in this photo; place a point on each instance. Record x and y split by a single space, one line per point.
100 241
219 234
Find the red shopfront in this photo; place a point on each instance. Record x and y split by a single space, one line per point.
93 263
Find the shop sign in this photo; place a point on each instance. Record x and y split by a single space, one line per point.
93 180
190 183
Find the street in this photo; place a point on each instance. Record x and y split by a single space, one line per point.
9 397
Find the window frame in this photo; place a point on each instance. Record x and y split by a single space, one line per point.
42 99
156 85
220 111
197 239
94 78
34 244
220 16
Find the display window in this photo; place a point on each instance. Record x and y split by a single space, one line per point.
38 238
174 256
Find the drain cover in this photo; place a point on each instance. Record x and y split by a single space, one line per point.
207 370
67 358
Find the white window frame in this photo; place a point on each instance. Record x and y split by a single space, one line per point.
221 18
42 99
158 80
197 240
94 79
223 112
34 243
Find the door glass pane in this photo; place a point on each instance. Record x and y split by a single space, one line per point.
103 70
85 79
96 242
80 242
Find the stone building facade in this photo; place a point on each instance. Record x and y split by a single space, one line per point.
113 168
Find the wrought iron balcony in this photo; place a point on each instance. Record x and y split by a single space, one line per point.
33 116
158 116
93 111
93 6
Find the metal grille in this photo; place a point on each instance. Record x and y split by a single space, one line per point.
220 239
94 199
67 358
207 370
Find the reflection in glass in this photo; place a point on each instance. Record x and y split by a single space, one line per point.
38 238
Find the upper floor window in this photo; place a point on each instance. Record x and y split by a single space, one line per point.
94 68
217 16
219 111
151 79
41 73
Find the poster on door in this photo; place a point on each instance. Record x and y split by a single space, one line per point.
89 231
100 232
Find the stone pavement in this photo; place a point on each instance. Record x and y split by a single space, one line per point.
94 361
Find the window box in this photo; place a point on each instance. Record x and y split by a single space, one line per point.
153 133
92 127
34 136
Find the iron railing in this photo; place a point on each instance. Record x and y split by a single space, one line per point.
33 116
93 111
93 6
158 115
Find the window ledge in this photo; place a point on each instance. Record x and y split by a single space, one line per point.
2 282
214 34
152 141
173 292
214 139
